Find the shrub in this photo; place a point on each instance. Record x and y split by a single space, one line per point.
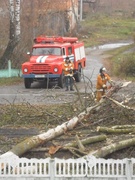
127 65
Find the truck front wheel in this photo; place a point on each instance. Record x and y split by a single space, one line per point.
27 82
61 81
77 75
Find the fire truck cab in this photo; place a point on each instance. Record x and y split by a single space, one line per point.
47 56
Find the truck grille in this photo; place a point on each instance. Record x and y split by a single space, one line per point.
40 68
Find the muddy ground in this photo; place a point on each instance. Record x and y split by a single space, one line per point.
47 108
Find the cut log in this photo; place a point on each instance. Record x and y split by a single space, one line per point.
114 130
79 143
123 126
104 151
88 140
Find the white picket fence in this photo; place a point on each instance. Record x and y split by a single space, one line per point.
61 169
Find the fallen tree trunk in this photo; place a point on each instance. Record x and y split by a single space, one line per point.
104 151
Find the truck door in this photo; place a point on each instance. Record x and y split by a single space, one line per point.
70 54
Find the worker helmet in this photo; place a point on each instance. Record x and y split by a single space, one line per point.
102 69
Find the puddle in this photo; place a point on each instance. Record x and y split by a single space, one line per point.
110 46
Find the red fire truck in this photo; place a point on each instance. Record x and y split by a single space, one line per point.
47 56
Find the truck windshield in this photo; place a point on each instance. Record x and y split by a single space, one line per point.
46 51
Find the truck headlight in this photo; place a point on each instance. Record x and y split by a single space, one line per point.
25 70
55 69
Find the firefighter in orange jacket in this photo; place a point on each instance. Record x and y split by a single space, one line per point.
68 67
101 85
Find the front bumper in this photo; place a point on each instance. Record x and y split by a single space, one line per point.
36 76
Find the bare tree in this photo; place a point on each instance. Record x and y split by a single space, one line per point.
14 30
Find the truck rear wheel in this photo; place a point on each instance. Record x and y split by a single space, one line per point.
27 82
61 81
77 76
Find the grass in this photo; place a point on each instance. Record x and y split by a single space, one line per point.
10 81
122 62
27 115
102 28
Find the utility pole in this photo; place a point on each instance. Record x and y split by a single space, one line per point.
81 9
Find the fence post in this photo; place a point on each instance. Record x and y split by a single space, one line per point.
9 68
129 170
52 169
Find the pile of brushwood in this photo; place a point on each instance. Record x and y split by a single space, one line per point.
105 129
